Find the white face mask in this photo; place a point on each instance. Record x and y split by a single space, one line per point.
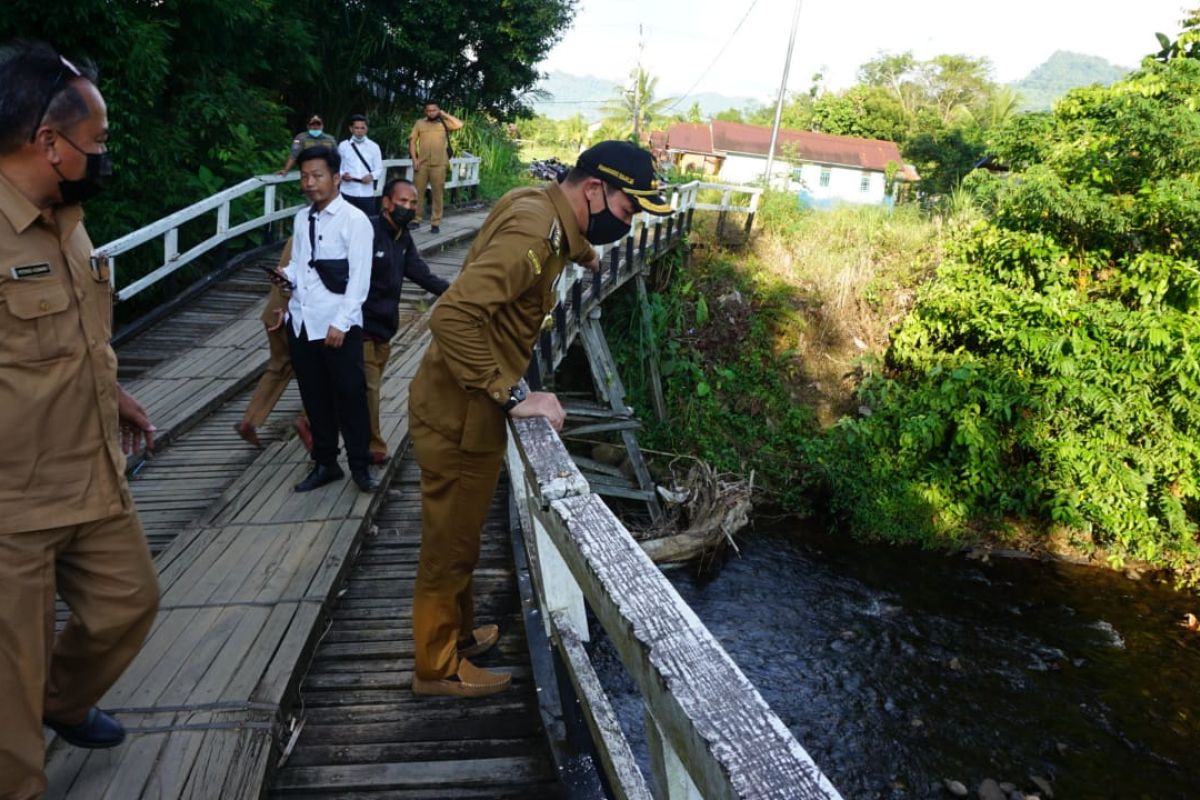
359 139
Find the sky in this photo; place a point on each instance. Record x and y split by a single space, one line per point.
693 43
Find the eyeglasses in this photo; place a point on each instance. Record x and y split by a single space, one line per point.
66 71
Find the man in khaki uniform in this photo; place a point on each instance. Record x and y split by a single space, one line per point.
428 147
69 525
484 328
278 375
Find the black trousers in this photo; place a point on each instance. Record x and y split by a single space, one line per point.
368 205
333 387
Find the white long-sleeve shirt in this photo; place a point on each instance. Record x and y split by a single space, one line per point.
342 231
352 165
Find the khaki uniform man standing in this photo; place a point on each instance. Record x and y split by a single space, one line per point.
278 375
69 525
484 328
428 147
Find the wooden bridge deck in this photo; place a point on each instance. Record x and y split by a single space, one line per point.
247 567
365 735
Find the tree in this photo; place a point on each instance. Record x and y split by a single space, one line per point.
693 114
635 101
729 115
208 92
871 112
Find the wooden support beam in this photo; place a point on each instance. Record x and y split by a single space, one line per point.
609 386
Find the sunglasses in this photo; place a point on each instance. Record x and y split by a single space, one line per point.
66 71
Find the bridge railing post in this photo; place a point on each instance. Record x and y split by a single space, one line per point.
560 591
669 777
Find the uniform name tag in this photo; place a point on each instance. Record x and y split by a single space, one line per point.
30 271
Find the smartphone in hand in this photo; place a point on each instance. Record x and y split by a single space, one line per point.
278 279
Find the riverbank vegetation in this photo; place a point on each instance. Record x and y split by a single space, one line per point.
1027 367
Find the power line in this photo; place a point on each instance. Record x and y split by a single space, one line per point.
716 58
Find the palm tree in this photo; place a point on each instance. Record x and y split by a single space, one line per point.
633 106
997 107
575 131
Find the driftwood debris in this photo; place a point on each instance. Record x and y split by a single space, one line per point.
706 512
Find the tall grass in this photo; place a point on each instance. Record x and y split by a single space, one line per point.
857 267
500 168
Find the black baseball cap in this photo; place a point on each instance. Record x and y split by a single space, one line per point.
629 168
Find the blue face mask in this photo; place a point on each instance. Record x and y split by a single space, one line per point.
315 132
359 139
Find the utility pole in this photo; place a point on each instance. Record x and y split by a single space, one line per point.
637 91
787 64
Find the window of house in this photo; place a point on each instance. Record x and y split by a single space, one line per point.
864 185
826 173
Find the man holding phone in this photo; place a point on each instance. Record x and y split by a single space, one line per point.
327 279
429 148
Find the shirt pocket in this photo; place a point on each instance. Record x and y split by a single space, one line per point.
36 323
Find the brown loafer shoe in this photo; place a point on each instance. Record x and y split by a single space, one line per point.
303 431
470 681
248 432
481 641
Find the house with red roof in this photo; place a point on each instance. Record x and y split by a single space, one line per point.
823 168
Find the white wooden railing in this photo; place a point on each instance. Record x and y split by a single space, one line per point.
464 171
728 192
710 732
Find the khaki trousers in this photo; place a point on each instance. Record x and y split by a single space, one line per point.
273 381
456 492
104 573
435 176
375 359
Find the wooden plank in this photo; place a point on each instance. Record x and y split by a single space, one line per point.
442 775
624 776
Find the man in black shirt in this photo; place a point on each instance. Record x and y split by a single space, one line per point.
394 256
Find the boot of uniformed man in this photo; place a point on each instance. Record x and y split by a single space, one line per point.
69 525
484 328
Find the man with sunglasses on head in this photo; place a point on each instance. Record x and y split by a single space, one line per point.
69 524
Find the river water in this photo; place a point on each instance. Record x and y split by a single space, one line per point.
898 669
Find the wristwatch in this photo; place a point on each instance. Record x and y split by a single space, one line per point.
516 394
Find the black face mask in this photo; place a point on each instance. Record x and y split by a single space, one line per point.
603 226
402 216
96 174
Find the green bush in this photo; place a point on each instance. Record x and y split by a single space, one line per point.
1051 369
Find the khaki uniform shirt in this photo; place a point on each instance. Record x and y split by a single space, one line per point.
61 462
431 142
485 325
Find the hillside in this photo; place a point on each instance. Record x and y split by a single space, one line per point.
570 94
1060 73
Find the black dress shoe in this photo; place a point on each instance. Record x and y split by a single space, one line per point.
320 475
414 225
98 730
363 480
435 229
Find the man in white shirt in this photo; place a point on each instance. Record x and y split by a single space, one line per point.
362 167
328 276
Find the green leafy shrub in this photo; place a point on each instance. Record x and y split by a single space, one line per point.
1050 370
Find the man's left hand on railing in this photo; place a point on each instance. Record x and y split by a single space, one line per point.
541 404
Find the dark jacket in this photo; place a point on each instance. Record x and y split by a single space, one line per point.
393 258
